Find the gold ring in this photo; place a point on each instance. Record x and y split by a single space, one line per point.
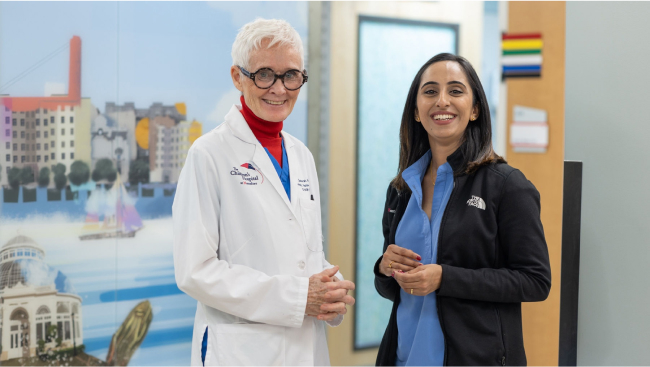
391 264
411 290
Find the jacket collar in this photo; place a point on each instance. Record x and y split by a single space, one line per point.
457 160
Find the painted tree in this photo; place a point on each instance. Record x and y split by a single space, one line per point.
104 170
79 173
26 175
44 177
138 172
14 177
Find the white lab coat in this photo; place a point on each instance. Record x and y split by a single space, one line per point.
245 252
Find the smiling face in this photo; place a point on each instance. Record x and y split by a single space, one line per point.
275 103
445 103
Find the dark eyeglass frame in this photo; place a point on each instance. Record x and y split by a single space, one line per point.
276 77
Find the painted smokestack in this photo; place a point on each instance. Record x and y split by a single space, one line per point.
74 83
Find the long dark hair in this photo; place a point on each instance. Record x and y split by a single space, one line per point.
477 140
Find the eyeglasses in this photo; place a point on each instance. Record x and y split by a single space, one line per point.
264 78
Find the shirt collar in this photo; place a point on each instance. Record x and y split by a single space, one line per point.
414 173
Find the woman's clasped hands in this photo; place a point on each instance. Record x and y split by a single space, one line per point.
412 276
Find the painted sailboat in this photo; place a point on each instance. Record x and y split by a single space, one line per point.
111 213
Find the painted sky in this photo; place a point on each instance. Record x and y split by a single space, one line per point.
140 52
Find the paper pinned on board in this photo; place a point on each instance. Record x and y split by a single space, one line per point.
529 130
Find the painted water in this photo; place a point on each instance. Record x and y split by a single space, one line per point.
112 276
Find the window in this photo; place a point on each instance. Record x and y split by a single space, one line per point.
7 132
14 122
22 159
52 145
38 146
38 122
52 119
52 132
62 155
71 143
22 135
71 155
67 330
52 155
71 131
22 122
15 146
7 120
45 110
45 146
45 134
44 122
8 145
8 157
15 158
38 134
62 144
45 157
62 131
71 119
38 158
62 119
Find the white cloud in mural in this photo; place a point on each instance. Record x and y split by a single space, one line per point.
52 88
240 14
221 109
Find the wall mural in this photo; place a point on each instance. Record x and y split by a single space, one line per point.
88 172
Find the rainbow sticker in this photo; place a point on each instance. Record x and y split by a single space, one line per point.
522 55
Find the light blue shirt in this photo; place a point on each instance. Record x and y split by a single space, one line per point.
420 341
283 172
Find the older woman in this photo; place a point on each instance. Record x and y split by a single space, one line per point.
464 244
247 225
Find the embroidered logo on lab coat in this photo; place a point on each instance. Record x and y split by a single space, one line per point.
249 176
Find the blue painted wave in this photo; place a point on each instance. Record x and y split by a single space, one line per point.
130 294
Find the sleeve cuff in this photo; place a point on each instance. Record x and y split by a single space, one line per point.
301 304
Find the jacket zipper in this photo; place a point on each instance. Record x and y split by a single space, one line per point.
442 222
503 342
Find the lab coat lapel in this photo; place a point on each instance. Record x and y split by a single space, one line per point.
260 158
262 162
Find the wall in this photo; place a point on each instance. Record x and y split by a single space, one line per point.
111 245
541 320
343 127
607 128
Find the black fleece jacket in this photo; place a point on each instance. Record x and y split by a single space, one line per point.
493 255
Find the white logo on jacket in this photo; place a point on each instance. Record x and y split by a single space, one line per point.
477 202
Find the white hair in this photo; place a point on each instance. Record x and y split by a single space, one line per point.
251 35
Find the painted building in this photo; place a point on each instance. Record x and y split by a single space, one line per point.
168 149
44 131
35 297
110 140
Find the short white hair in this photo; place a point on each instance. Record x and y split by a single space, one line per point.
251 35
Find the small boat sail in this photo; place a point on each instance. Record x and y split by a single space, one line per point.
111 213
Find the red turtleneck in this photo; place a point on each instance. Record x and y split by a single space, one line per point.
267 132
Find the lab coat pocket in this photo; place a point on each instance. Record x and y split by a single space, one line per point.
310 212
247 345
